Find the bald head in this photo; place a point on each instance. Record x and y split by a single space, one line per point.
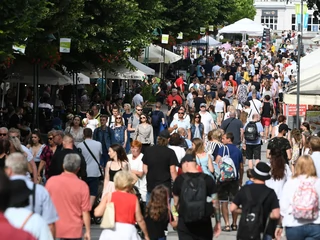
68 141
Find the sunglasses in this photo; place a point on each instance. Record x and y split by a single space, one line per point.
139 109
180 112
50 138
118 117
3 134
197 117
142 117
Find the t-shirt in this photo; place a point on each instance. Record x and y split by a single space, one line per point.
282 143
271 202
207 121
14 121
156 229
201 230
197 101
159 159
180 83
137 99
234 127
255 105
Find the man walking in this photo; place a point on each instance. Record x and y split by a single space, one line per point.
103 135
16 168
206 119
71 197
91 151
256 194
157 118
253 133
189 198
181 122
234 126
281 142
57 159
231 180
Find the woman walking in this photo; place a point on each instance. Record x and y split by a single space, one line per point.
144 132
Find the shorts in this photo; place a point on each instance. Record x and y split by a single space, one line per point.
265 121
93 184
228 190
253 151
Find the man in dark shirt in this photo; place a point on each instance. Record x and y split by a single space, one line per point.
159 163
198 100
56 167
233 125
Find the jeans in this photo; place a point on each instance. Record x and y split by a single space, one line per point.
163 238
267 237
304 232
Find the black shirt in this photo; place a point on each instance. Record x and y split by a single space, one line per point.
156 228
159 159
14 121
270 203
282 143
266 110
233 125
201 230
257 85
197 101
56 167
226 101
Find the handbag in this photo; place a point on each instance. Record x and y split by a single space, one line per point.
100 168
108 218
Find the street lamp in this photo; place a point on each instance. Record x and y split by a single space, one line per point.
299 66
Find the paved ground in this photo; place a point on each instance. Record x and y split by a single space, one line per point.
172 235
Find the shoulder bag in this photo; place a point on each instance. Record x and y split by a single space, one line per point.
108 218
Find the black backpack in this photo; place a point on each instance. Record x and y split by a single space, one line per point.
156 119
193 205
251 132
251 221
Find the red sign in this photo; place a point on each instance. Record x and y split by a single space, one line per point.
292 110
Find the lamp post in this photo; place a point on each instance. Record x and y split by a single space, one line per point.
299 66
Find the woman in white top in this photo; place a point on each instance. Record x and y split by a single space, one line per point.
136 166
294 220
76 130
220 108
89 121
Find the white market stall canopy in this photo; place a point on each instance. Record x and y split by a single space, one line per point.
122 72
211 42
304 99
244 25
156 55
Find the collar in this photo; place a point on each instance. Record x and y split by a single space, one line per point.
69 175
19 177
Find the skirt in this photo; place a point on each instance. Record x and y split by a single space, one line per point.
123 231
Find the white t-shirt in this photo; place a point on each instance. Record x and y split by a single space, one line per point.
92 123
316 160
137 165
207 121
36 225
179 151
255 105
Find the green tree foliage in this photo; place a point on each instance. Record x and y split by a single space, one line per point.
19 19
241 9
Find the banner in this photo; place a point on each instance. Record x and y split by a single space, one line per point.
211 29
180 35
65 45
202 30
19 48
165 38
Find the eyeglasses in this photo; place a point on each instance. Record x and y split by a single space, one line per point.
50 138
3 134
139 109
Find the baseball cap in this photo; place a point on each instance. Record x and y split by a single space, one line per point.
284 126
203 105
187 158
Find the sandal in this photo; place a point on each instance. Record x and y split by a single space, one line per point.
226 228
234 227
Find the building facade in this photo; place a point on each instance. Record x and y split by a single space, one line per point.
280 15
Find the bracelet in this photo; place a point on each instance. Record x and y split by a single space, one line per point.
279 226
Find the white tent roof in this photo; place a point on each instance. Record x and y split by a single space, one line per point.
304 99
142 67
212 41
156 55
244 25
310 60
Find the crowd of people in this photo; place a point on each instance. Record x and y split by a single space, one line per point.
182 166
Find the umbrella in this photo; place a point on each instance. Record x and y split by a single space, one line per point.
156 55
226 46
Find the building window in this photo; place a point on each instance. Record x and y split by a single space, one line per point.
270 21
313 23
293 22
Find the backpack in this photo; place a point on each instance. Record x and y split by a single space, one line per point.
251 221
155 119
251 132
306 200
228 171
193 205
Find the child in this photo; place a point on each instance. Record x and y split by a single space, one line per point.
158 213
249 175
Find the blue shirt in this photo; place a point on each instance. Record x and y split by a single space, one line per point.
260 130
43 204
235 155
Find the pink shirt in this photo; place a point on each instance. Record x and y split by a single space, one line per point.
71 197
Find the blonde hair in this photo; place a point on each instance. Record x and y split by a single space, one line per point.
305 166
198 145
123 180
215 134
